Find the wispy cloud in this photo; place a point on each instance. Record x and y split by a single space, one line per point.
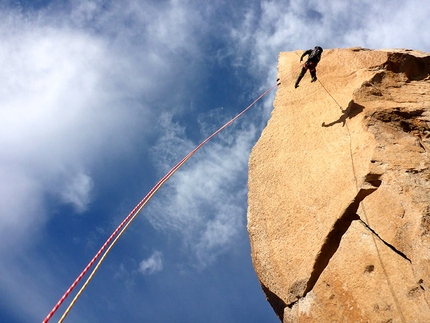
203 202
152 265
173 144
77 192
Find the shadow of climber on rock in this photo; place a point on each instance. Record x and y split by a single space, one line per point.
353 110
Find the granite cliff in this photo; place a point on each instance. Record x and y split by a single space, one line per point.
339 190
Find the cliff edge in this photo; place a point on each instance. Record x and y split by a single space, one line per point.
339 190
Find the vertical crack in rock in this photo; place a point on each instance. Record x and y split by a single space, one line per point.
340 227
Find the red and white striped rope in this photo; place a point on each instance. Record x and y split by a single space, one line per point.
139 206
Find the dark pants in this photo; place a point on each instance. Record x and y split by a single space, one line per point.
307 66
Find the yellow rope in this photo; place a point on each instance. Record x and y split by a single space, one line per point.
90 277
148 197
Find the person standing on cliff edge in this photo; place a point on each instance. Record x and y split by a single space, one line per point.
311 64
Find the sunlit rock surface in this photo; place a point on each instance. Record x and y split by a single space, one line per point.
339 190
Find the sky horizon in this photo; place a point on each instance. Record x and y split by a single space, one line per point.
100 98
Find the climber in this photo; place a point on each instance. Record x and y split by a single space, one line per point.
312 62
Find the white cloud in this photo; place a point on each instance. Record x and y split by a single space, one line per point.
50 127
152 265
220 233
77 192
21 208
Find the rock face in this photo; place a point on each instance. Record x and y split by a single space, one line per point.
339 190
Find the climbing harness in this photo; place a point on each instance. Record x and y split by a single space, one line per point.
111 241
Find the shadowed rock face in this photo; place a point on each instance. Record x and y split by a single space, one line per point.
339 190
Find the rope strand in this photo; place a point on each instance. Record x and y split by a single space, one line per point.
330 95
127 221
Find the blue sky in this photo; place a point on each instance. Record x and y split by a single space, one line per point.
99 99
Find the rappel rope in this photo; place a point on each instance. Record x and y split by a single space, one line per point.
127 221
149 196
330 95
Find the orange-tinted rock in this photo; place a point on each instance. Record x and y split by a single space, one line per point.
339 190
